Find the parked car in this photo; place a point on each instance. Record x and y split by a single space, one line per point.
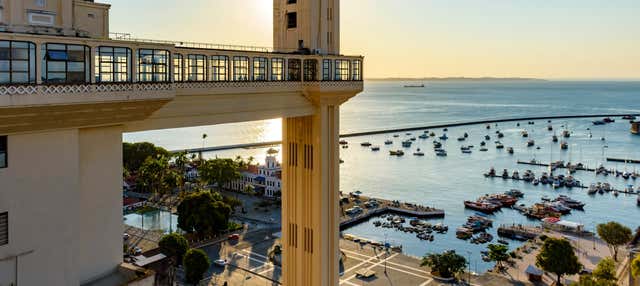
220 262
125 236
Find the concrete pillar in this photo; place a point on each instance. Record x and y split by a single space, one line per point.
310 196
100 228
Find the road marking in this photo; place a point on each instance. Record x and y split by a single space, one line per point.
426 282
255 254
358 265
249 257
350 283
388 262
369 268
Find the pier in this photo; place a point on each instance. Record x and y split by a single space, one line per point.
560 166
385 207
519 232
623 160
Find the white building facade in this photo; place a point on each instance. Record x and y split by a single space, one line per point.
265 179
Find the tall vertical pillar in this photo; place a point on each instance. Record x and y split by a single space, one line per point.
310 197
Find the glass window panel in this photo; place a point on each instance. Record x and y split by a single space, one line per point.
20 54
19 77
75 66
56 66
5 77
76 56
22 66
5 53
5 66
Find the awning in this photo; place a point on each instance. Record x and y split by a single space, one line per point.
569 224
142 261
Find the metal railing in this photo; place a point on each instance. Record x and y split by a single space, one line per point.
194 45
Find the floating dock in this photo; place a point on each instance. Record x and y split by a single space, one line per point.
519 232
389 207
623 160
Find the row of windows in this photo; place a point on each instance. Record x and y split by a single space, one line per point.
65 63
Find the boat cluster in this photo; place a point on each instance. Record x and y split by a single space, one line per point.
557 207
423 230
557 181
491 203
475 224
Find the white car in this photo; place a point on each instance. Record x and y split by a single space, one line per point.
220 262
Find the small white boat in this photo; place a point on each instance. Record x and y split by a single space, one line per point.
365 144
375 148
418 153
388 142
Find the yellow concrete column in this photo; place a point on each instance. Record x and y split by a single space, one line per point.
310 197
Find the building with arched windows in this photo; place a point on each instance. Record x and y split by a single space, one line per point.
69 89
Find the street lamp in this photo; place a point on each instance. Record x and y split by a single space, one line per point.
469 263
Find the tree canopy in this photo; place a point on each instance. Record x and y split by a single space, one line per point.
557 256
603 275
498 253
134 154
446 264
196 262
155 175
218 171
174 245
615 235
203 212
635 267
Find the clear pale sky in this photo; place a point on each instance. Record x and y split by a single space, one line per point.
583 39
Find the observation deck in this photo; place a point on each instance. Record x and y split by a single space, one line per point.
72 82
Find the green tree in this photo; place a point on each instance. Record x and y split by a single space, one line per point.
603 275
155 175
498 253
218 171
605 270
134 154
196 262
615 235
557 256
203 212
174 245
635 267
446 264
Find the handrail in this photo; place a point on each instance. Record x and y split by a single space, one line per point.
195 45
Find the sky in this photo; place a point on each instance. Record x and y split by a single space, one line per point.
564 39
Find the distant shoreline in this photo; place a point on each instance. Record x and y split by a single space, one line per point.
456 79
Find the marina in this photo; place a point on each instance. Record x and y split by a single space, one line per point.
445 182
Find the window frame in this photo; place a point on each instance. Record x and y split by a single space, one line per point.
261 69
216 75
196 58
310 70
326 69
31 71
86 67
294 69
274 67
292 20
342 72
98 65
154 66
244 76
4 150
356 70
178 69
